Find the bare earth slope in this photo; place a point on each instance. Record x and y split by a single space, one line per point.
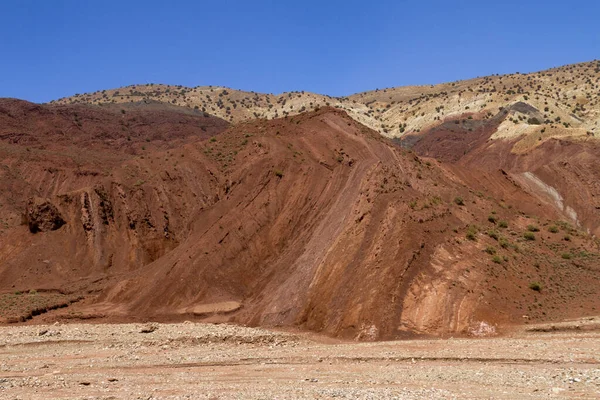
562 172
75 175
312 221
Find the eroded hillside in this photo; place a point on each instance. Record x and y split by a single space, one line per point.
313 221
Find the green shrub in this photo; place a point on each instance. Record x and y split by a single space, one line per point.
472 233
535 286
490 250
503 224
533 228
566 256
497 259
553 229
278 173
529 236
492 218
459 201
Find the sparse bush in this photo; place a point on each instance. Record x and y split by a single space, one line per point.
566 256
490 250
553 229
472 233
529 236
533 228
497 259
503 224
492 218
459 201
278 173
535 286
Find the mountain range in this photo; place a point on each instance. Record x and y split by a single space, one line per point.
423 210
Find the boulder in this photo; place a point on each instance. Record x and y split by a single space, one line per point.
42 216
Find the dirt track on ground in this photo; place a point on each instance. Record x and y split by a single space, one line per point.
191 360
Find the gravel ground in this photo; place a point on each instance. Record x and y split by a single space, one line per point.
203 361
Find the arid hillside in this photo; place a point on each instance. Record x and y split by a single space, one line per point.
561 171
564 101
312 221
70 169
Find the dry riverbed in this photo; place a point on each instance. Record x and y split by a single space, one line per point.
203 361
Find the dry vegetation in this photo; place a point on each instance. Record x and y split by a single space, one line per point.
566 101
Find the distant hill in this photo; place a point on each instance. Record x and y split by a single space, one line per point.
567 99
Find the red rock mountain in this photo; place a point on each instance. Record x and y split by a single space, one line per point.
147 211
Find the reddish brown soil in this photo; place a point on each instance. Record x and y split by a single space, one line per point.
313 221
79 164
124 127
570 166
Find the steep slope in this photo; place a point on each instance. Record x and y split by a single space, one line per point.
559 171
329 227
76 201
313 221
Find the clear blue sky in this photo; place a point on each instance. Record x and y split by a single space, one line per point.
55 48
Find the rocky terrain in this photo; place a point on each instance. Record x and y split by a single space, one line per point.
202 361
312 221
57 204
146 204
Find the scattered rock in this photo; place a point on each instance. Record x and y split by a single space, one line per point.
149 328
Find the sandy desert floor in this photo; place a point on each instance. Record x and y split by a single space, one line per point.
203 361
